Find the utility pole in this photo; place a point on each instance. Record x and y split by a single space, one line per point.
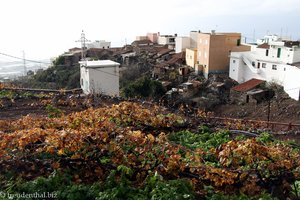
24 64
83 41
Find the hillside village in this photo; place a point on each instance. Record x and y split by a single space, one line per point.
210 71
166 117
200 70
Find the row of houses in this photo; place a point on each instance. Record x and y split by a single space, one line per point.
207 53
270 59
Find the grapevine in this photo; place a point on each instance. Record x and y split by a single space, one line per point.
90 144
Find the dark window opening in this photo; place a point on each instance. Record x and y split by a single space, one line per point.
171 40
238 42
278 52
267 52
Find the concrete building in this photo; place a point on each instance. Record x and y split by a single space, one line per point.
153 37
274 60
191 57
100 77
141 37
99 44
181 43
194 38
166 39
214 50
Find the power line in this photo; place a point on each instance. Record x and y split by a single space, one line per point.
106 72
23 59
292 88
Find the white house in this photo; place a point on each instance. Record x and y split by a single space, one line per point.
99 44
100 77
273 60
166 39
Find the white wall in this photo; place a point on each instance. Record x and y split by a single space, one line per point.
84 79
292 83
285 75
104 80
296 56
100 77
288 55
194 39
181 43
163 40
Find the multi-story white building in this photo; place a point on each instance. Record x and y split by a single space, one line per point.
272 59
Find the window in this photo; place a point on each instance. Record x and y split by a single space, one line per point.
267 52
258 65
206 42
278 52
205 55
199 53
238 42
263 65
171 40
200 40
274 67
233 61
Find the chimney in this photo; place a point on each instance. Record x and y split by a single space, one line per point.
213 32
175 34
199 31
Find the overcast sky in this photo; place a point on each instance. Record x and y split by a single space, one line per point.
48 28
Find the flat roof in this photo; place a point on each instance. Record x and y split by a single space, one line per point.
99 63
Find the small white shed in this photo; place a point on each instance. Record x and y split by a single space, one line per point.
100 77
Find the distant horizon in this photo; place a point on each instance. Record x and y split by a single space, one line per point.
47 29
121 43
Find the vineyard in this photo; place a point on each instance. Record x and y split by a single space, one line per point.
129 150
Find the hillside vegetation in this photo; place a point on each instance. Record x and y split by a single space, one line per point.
131 151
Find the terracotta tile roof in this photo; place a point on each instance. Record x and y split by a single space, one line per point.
264 46
164 51
248 85
176 58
